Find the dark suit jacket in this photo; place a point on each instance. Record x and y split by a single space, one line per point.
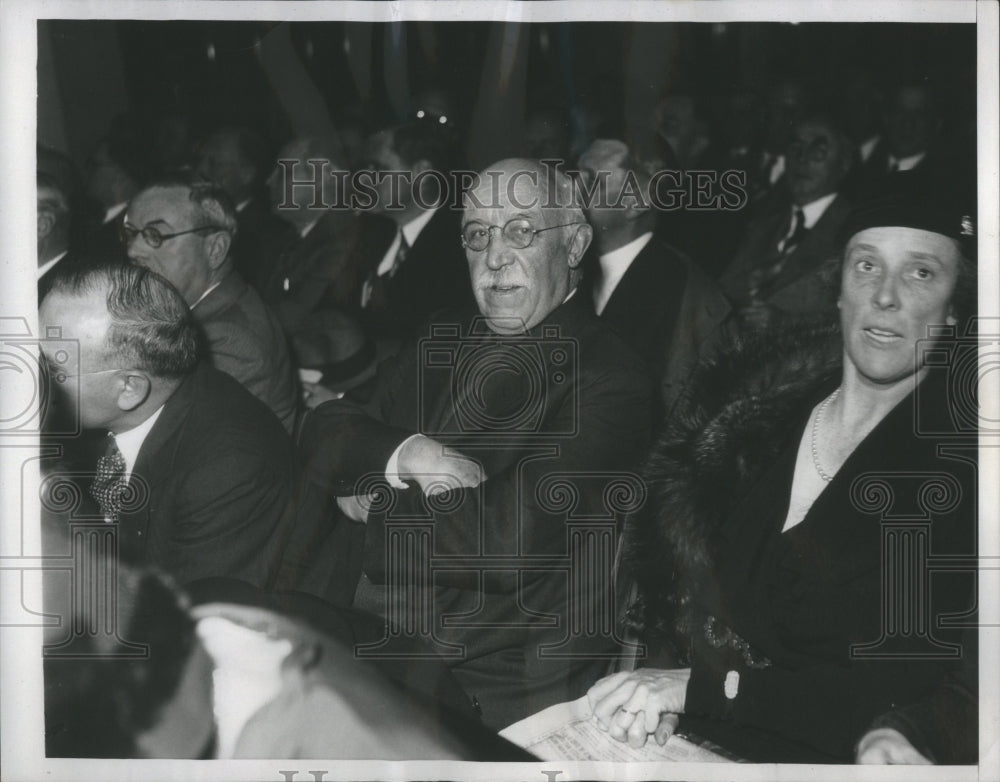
321 271
245 340
434 276
804 597
211 481
493 617
260 239
668 310
807 285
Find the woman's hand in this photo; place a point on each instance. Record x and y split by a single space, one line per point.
886 746
631 706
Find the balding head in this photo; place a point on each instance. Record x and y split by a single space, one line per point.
133 340
524 235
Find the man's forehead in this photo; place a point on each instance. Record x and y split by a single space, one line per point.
83 317
605 154
520 191
161 203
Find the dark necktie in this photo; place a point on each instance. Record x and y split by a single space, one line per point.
376 298
762 278
110 486
796 233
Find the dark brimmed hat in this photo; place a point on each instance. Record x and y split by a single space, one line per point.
335 345
906 202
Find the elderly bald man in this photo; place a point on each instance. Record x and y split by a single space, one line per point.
499 430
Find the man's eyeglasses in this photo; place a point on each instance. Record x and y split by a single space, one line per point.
517 234
153 237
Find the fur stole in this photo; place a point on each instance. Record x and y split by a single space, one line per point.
742 407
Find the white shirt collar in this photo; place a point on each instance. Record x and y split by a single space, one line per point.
613 267
777 169
304 230
130 442
814 210
114 211
866 147
411 231
45 267
208 290
906 163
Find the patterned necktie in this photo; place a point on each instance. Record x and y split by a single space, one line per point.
109 486
373 293
796 232
762 278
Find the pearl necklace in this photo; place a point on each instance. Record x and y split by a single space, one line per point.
815 433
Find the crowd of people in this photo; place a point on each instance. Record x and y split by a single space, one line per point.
409 452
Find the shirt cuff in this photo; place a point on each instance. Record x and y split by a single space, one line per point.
392 468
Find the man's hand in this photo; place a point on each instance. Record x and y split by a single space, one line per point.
886 746
424 460
631 706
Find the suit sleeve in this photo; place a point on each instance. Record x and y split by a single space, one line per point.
228 513
534 487
342 443
828 707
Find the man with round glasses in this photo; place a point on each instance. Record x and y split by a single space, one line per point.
486 418
182 228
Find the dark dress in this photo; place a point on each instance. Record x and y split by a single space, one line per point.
846 615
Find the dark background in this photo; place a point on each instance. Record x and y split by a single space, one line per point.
210 73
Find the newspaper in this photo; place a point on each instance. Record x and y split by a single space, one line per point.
567 731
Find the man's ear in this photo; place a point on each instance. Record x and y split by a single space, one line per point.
218 245
135 390
581 241
46 222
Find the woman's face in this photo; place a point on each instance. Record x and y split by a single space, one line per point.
896 283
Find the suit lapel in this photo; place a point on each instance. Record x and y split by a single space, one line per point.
154 465
221 298
815 248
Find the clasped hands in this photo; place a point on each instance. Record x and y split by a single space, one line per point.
423 460
634 705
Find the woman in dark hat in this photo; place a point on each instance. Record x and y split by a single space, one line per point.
782 565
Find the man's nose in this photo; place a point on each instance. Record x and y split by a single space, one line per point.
497 253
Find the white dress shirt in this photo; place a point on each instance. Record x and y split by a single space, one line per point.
45 267
906 163
411 231
113 212
613 267
811 213
130 442
866 147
